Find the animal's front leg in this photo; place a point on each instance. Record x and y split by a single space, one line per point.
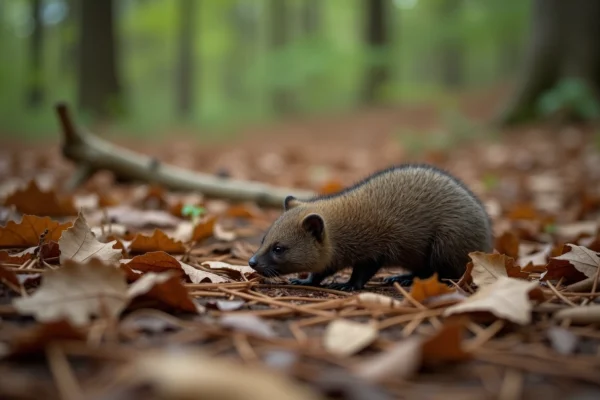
361 273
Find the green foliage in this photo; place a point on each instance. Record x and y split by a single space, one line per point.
571 96
237 70
192 210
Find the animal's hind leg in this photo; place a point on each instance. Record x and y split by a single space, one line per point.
446 260
407 279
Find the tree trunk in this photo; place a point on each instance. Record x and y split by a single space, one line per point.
451 51
35 90
376 37
185 67
282 98
563 44
99 84
311 16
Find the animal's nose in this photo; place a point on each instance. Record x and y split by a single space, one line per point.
252 262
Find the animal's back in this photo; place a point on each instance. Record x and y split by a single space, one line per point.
412 216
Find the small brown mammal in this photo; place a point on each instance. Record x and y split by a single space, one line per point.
414 216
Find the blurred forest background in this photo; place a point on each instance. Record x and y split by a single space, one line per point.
148 66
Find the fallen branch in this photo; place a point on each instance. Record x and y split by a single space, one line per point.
92 154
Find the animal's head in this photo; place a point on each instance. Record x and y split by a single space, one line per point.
296 242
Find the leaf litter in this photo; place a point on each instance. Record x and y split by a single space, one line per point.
177 296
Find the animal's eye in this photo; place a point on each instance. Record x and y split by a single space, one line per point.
277 249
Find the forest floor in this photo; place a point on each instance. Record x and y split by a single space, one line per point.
523 322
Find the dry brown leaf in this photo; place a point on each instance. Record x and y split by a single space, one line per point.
330 187
159 241
198 276
407 357
79 244
77 292
487 268
345 337
34 340
154 261
243 211
235 271
185 375
508 243
377 300
507 298
248 323
537 259
422 289
27 232
204 229
583 259
142 219
221 234
165 289
32 200
9 278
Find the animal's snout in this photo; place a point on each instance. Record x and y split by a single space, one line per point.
252 262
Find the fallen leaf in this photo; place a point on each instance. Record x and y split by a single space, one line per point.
154 261
190 374
27 232
204 229
9 278
234 271
32 200
79 244
345 337
507 298
583 259
572 230
141 219
221 234
77 292
444 300
487 268
198 276
165 289
34 340
377 300
562 340
425 288
248 323
538 258
243 211
508 243
330 187
408 356
159 241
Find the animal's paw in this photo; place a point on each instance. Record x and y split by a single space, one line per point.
303 282
345 286
403 280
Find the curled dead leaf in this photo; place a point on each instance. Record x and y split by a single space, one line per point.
423 289
158 241
27 232
344 337
198 275
204 229
164 289
506 298
77 292
79 244
33 200
236 272
583 259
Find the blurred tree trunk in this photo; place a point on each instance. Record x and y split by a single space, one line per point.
99 83
68 37
35 90
311 16
563 44
282 97
377 38
451 51
185 67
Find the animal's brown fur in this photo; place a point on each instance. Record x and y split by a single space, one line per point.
414 216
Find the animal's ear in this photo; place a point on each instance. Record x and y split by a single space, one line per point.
314 224
290 202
